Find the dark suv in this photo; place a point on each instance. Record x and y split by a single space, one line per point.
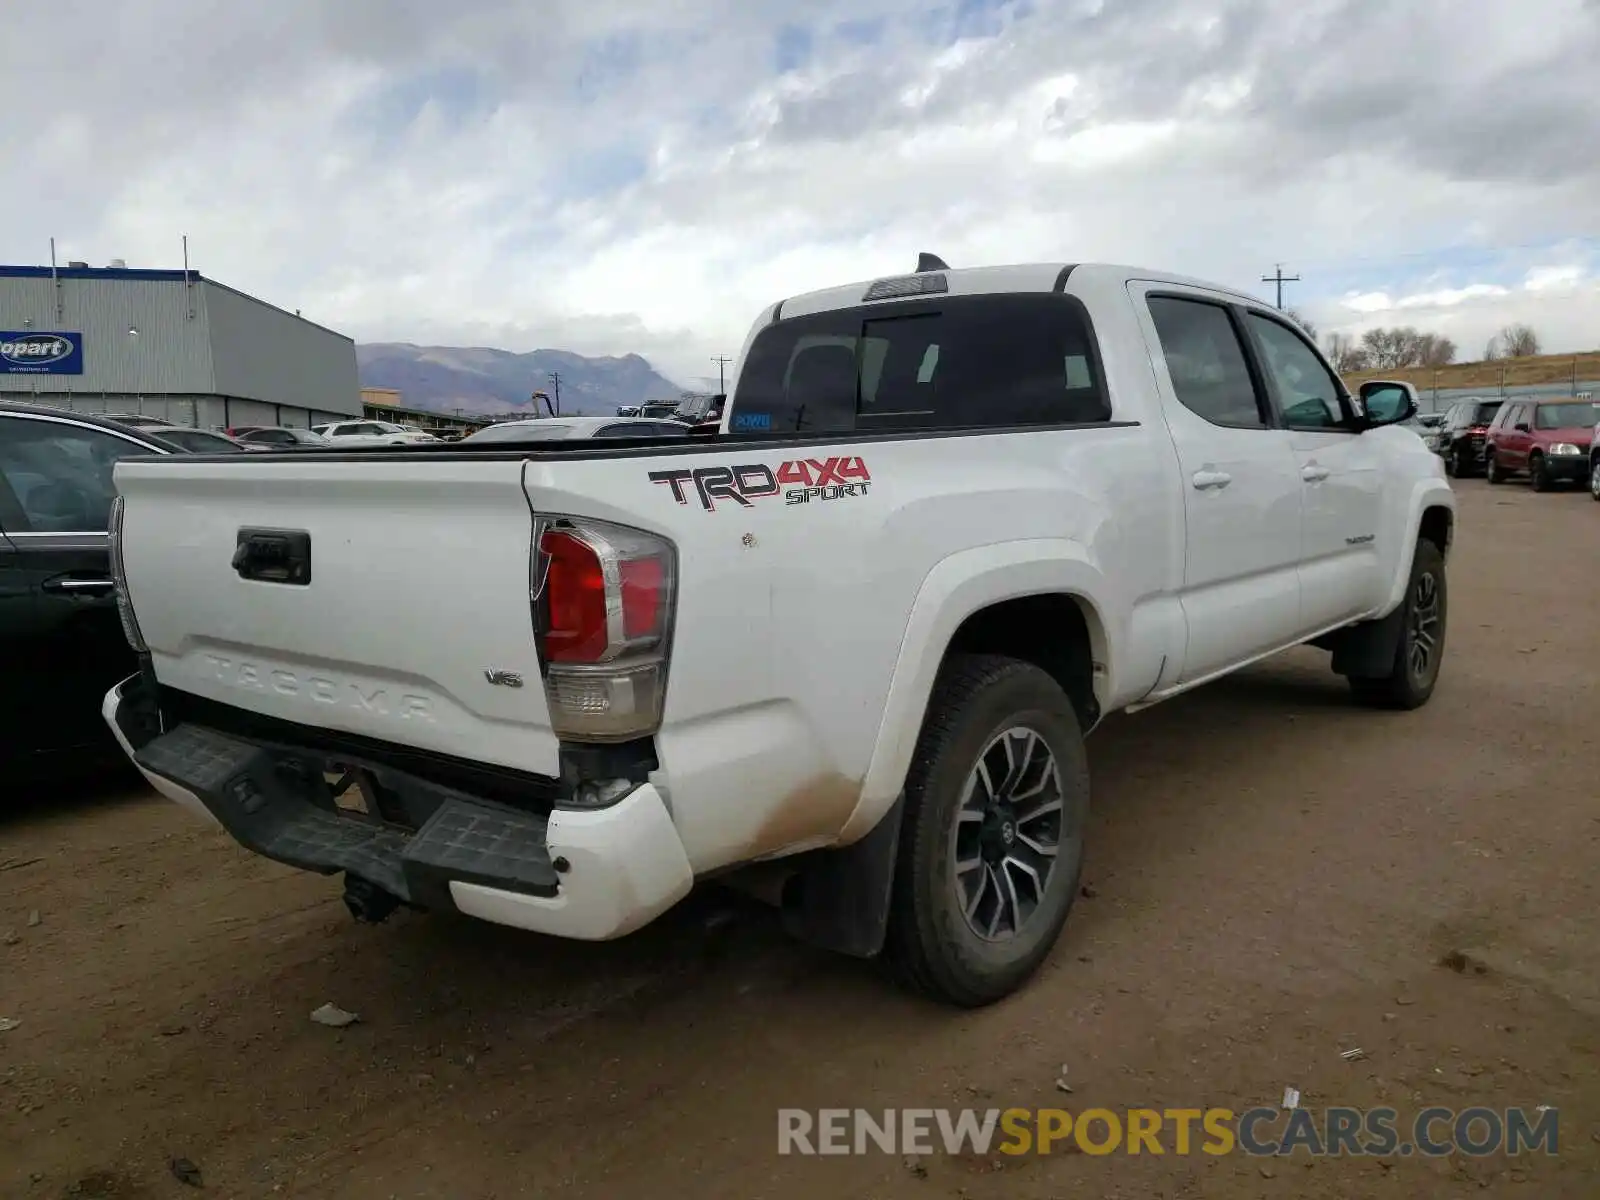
1463 433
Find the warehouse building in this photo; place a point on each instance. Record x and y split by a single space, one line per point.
171 344
387 404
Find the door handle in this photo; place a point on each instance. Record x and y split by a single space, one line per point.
80 587
1314 473
1206 480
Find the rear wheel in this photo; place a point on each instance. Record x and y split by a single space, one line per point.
1594 478
1493 470
991 852
1459 463
1420 651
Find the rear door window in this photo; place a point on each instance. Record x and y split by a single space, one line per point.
1206 362
962 362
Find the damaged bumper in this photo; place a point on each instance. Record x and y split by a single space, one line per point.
589 874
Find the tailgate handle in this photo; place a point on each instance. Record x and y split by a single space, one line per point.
273 556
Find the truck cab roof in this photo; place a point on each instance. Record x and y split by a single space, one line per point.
977 281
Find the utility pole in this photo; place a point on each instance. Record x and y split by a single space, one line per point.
555 388
721 361
1279 278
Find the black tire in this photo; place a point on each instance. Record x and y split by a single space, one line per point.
1594 479
1459 464
1404 686
1492 468
1538 475
931 944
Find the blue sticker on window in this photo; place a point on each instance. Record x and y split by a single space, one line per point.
747 420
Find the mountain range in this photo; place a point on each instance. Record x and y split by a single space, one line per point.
482 380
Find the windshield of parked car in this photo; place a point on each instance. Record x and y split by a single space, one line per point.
1569 415
693 408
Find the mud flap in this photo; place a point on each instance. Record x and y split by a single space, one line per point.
839 900
1367 650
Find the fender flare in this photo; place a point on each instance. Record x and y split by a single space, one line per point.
955 588
1425 494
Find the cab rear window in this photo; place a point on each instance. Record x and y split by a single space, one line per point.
957 362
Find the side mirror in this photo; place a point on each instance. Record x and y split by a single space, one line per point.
1387 402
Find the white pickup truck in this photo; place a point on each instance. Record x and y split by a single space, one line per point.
856 639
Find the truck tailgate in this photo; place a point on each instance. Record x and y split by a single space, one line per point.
413 625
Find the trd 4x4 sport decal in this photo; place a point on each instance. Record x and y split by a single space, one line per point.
800 481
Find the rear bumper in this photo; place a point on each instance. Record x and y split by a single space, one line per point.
585 874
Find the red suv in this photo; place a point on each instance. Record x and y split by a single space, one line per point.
1549 439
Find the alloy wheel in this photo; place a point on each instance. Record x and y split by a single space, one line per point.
1423 623
1008 833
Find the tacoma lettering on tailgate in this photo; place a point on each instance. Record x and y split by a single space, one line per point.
321 689
798 480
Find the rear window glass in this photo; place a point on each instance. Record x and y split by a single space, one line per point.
960 362
200 442
641 429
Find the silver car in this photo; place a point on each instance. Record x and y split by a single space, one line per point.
545 429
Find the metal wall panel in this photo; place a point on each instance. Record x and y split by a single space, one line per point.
1445 397
137 334
263 353
179 410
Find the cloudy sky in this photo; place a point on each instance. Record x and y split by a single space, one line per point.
610 176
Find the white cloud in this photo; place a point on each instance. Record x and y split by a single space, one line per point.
1566 277
634 175
1560 302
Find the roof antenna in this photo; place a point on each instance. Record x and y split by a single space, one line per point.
931 262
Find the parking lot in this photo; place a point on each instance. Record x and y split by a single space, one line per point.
1275 877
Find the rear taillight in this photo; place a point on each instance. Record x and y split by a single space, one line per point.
603 599
119 578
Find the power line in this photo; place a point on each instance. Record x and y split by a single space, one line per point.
1570 241
1279 278
722 361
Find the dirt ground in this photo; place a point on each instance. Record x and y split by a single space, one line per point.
1275 877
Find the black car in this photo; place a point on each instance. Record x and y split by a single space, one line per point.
283 437
197 441
1462 433
61 640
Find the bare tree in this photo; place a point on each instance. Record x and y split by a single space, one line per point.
1388 348
1435 350
1514 341
1403 346
1300 319
1345 354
